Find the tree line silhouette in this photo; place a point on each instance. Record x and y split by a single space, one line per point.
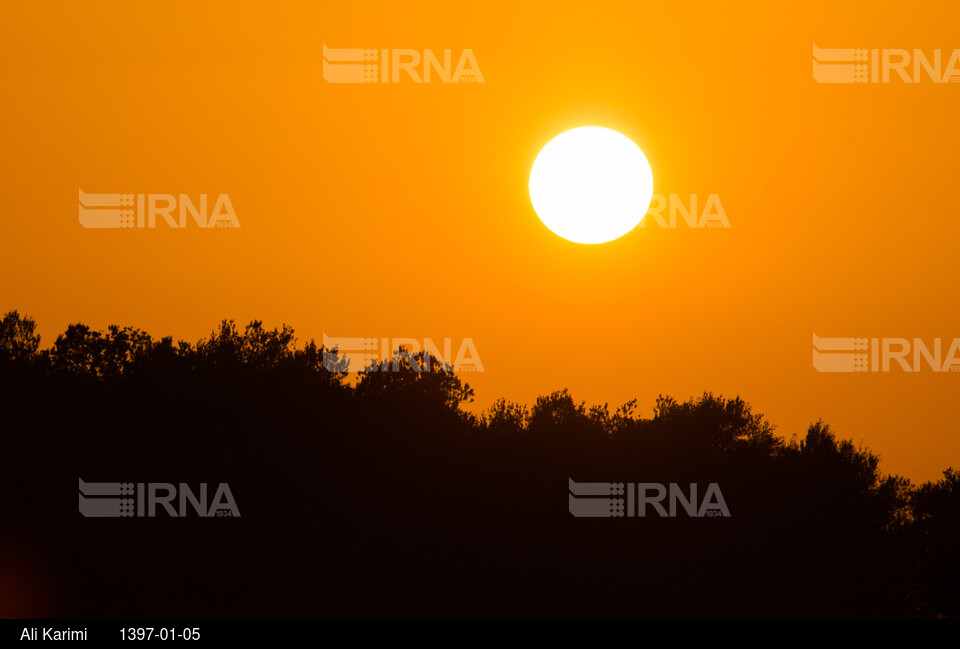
384 496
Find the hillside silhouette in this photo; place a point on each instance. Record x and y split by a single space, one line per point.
384 497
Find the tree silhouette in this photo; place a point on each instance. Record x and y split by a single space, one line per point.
18 342
377 493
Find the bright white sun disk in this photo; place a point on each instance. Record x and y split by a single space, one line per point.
591 185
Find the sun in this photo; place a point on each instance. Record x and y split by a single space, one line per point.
591 185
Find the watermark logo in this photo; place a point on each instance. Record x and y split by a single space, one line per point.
881 354
363 65
710 215
145 499
618 499
846 65
110 211
369 354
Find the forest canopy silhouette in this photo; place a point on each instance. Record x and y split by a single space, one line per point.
380 494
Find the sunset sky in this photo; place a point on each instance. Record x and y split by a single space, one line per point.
402 209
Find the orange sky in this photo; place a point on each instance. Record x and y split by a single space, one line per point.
402 210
